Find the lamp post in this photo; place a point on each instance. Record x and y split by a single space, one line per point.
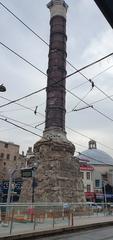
10 185
2 88
33 182
105 198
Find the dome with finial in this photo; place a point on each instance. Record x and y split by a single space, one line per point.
95 156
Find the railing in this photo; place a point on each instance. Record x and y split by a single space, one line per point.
21 218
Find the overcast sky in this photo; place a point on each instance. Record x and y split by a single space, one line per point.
89 37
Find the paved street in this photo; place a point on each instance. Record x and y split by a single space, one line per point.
99 234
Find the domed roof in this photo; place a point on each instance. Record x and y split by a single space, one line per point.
96 156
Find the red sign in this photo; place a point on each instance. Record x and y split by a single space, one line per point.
86 168
89 194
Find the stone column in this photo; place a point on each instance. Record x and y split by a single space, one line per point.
55 104
58 175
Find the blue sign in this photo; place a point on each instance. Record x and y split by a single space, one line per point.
16 189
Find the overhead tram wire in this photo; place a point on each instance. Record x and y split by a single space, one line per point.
21 105
30 29
45 42
26 130
75 131
40 90
23 23
48 45
98 74
36 127
22 128
25 60
55 82
75 108
100 100
35 34
23 123
89 138
29 125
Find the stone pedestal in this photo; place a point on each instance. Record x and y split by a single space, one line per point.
58 174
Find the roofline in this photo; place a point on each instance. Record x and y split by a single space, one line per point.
10 143
102 164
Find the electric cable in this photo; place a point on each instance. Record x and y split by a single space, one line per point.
28 125
40 90
23 106
89 138
22 128
82 99
100 73
17 121
22 58
37 35
47 44
23 23
66 77
100 100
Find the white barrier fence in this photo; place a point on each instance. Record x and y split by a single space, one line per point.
22 217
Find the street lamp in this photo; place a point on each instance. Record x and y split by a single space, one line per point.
10 184
30 172
2 88
34 184
104 187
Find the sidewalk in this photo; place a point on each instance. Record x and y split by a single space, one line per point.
78 223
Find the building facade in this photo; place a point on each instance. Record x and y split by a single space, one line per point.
9 158
87 174
101 184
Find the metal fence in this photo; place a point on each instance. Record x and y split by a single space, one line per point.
21 218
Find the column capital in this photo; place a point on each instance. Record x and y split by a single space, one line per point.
57 7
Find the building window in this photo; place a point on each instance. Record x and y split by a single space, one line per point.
14 158
88 188
6 145
8 156
97 183
2 155
82 175
88 175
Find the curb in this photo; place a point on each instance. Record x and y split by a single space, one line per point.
47 233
